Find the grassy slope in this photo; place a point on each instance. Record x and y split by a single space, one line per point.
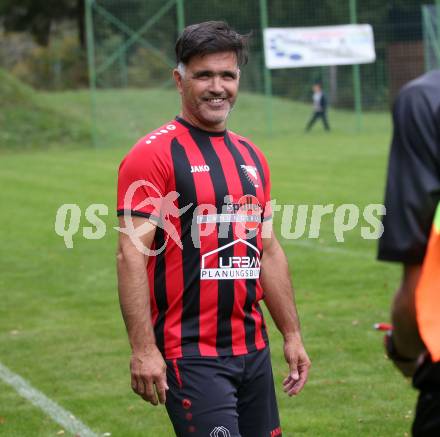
71 342
27 123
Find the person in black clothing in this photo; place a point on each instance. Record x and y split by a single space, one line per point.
319 107
412 196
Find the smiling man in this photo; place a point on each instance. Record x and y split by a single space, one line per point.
208 85
191 302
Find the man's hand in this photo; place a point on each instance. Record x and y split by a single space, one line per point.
299 364
148 375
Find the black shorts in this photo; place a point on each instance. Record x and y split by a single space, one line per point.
427 419
223 396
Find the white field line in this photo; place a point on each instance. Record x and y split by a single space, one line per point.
329 249
53 410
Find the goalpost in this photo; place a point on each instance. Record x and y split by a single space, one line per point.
130 49
122 50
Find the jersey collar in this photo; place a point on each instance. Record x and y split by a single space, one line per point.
206 132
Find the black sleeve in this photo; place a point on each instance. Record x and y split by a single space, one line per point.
323 102
413 184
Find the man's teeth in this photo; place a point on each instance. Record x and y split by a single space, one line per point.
216 100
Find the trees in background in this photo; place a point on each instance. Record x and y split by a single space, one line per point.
39 16
44 42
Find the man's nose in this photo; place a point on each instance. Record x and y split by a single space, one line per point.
216 85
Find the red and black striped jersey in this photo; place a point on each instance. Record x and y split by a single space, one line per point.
209 194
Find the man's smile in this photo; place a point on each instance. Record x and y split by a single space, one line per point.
215 102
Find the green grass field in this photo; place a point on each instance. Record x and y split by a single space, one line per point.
60 325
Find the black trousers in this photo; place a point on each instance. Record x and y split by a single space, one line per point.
318 115
427 419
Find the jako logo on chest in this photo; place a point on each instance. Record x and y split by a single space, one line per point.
199 168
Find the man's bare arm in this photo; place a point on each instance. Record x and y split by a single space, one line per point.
279 299
406 337
147 366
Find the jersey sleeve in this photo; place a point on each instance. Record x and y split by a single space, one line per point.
143 181
413 183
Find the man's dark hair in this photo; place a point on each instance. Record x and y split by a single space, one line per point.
211 37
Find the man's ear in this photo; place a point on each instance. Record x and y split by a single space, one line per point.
178 79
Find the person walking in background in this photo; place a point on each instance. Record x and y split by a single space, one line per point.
412 237
319 107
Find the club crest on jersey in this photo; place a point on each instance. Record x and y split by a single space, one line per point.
251 173
199 168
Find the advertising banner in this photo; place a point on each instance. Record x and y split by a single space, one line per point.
319 46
